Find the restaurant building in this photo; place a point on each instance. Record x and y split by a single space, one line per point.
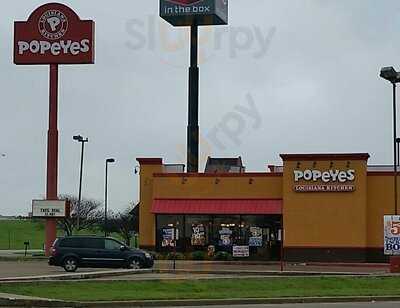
313 207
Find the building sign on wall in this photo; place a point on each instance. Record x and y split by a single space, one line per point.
392 235
54 34
194 12
324 181
50 208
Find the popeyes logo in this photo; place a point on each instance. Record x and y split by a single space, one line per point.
325 176
54 34
324 181
53 24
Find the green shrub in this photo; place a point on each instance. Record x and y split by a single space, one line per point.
179 256
198 255
223 256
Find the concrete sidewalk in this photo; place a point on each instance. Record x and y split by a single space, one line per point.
17 253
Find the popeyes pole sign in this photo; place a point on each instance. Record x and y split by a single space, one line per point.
324 181
54 34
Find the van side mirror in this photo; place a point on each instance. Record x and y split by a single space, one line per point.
123 248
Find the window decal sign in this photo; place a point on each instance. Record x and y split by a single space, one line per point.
255 239
225 237
198 235
241 251
54 34
168 237
392 235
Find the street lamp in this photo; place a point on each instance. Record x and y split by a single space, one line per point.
108 161
82 140
398 151
391 75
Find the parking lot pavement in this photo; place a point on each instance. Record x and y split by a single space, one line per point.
31 268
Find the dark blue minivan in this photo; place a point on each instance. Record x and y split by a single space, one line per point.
91 251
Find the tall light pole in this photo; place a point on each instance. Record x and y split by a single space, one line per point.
108 161
194 13
82 140
391 75
398 150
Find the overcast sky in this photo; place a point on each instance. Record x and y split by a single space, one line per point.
288 76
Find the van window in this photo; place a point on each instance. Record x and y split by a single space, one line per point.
70 242
93 243
111 244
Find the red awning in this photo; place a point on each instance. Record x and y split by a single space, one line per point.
203 206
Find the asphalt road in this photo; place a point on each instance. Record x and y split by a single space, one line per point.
341 305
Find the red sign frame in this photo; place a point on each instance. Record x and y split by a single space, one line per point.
54 34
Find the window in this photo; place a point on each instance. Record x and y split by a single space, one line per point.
70 242
113 245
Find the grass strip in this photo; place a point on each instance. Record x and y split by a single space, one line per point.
208 289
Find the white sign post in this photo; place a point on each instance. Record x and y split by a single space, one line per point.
50 208
392 235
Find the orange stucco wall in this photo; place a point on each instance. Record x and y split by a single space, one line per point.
218 187
380 202
146 218
321 219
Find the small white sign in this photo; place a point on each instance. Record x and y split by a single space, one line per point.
49 208
392 235
241 251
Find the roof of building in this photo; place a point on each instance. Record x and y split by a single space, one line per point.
224 165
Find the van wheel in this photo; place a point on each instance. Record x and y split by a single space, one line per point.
134 263
70 264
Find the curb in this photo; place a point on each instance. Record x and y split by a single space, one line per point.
261 273
76 276
94 275
338 264
10 302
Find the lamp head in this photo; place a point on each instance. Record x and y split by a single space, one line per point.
78 138
110 160
390 74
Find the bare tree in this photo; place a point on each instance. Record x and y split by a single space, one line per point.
124 223
90 215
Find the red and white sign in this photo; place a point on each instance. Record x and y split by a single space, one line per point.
54 34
